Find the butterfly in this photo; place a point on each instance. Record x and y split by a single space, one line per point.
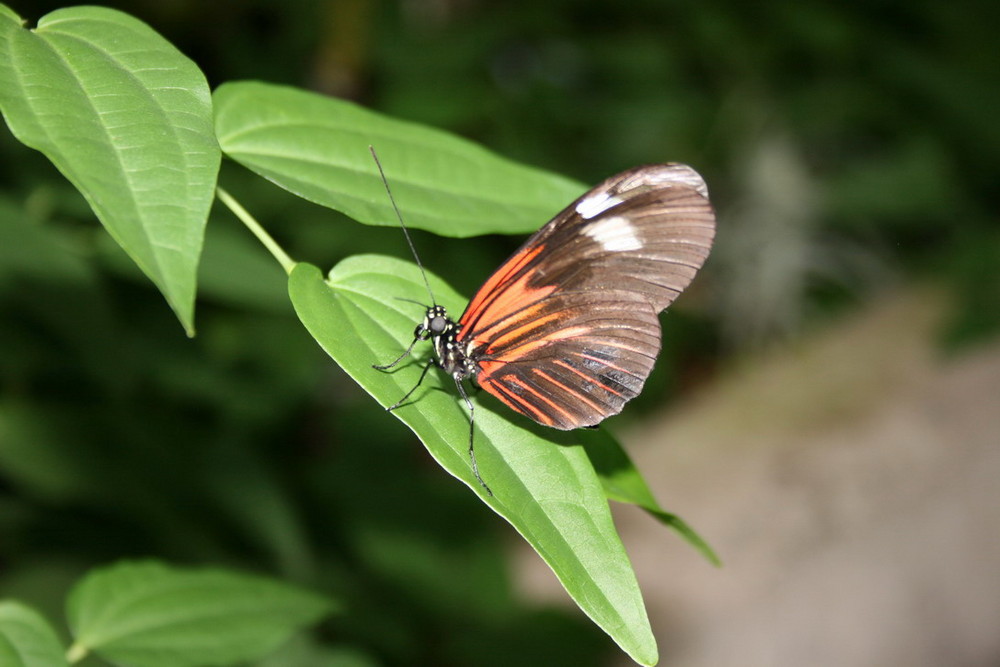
566 331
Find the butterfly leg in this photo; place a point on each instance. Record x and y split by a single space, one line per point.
472 430
385 367
430 364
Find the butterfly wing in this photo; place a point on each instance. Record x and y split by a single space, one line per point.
566 331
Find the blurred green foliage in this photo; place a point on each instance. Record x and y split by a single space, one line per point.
850 147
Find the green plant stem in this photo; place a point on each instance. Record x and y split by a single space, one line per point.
287 263
76 653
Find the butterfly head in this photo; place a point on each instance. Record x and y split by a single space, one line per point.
442 331
435 323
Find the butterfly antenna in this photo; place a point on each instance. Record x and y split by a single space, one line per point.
403 298
406 232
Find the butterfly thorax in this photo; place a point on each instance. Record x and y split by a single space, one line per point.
443 332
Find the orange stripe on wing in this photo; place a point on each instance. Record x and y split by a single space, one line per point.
527 327
569 390
548 417
516 403
487 367
504 304
501 275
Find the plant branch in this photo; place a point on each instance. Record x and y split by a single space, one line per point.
76 653
255 227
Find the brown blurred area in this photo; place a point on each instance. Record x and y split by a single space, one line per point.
849 481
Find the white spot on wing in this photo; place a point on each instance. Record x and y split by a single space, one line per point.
615 234
595 204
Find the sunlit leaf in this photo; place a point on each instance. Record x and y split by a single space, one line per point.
149 615
317 147
542 480
127 119
27 639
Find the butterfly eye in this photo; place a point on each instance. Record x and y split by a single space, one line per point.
438 325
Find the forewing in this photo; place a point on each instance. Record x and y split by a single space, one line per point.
566 331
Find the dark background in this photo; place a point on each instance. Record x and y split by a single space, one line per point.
852 150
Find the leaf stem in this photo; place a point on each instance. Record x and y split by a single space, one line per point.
76 653
287 263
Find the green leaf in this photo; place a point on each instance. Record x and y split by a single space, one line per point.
624 483
27 639
317 148
127 119
542 479
149 615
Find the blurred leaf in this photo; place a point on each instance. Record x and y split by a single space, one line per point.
127 119
537 637
910 187
52 298
42 581
305 652
542 480
253 498
975 307
237 270
40 456
31 249
27 639
151 615
317 148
